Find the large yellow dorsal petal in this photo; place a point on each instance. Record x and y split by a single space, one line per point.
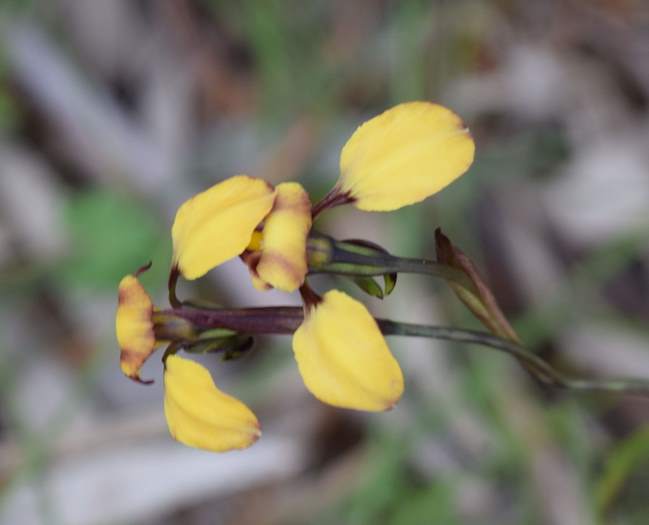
404 155
217 224
199 415
283 262
343 357
134 326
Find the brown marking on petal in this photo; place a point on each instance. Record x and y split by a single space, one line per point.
287 266
287 204
124 293
335 197
131 357
310 299
251 260
136 359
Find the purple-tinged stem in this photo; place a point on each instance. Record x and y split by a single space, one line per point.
264 320
331 200
174 273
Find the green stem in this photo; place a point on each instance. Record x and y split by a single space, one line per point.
327 255
537 366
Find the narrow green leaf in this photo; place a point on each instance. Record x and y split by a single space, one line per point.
239 346
369 286
630 455
389 282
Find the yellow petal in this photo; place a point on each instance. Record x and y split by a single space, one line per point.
134 326
283 250
217 224
404 155
258 283
343 357
199 415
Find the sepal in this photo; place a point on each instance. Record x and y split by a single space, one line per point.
478 298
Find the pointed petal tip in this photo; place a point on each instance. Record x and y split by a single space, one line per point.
136 378
256 433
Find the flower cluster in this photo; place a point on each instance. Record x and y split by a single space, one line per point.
398 158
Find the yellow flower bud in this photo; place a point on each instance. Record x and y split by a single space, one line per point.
404 155
217 224
199 415
343 357
134 326
283 262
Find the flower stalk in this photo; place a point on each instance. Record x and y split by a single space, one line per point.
332 199
328 255
285 320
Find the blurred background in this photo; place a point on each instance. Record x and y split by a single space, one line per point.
113 112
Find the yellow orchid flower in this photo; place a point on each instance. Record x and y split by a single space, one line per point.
400 157
199 415
397 158
343 357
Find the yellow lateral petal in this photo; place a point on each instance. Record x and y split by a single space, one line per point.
199 415
217 224
343 357
134 326
404 155
283 250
